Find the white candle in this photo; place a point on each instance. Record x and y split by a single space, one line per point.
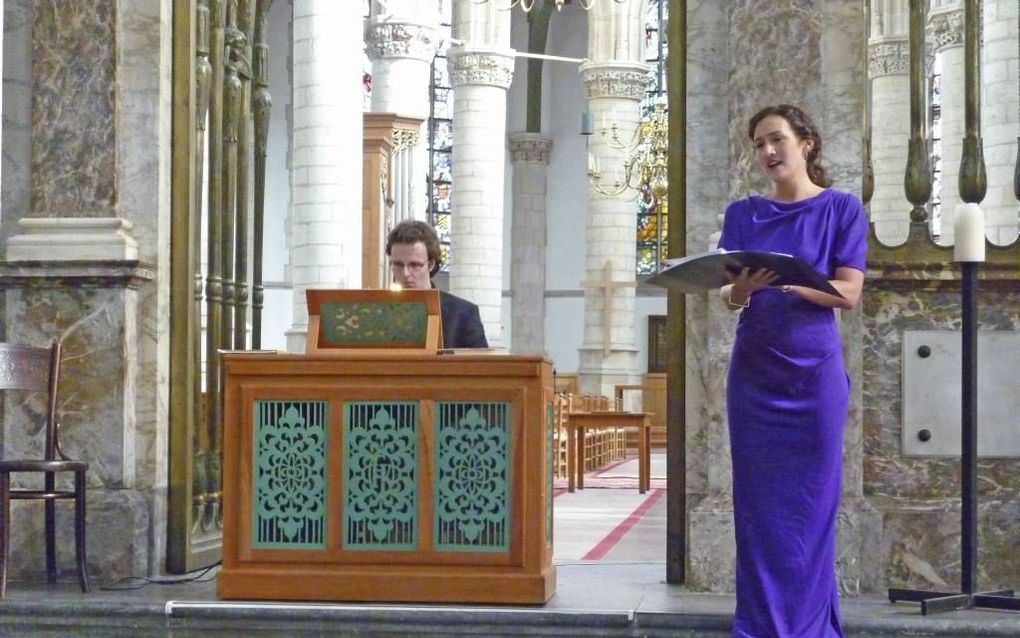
969 229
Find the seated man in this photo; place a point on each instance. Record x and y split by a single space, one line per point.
413 249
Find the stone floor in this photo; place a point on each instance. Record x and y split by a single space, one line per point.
610 557
592 599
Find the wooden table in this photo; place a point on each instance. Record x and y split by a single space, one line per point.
579 422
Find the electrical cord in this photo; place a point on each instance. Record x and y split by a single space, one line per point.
129 583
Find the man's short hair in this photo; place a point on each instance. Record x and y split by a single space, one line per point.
411 231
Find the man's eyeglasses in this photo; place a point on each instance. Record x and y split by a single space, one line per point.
413 266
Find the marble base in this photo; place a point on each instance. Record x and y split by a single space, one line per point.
72 239
921 543
118 529
712 551
858 566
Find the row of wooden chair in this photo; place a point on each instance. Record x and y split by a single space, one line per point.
601 447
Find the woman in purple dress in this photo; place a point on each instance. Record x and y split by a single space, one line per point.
788 389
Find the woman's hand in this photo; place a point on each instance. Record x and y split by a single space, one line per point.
737 293
849 282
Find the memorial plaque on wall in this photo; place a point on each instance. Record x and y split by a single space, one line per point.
657 343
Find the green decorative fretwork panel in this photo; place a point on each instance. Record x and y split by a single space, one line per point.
290 442
380 503
472 481
550 459
374 323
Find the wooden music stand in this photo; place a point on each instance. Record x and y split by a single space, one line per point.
373 321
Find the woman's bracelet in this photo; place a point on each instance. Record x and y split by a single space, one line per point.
735 305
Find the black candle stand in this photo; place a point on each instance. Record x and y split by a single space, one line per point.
933 602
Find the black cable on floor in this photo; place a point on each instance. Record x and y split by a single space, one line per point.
129 583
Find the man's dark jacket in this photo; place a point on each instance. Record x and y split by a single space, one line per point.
462 325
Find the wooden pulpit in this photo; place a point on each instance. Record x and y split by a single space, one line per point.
387 477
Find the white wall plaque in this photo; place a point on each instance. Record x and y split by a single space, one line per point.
931 393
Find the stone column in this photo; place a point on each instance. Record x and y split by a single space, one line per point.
480 72
888 67
614 91
529 153
326 173
401 39
615 80
946 27
999 116
87 263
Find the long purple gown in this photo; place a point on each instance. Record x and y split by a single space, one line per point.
787 401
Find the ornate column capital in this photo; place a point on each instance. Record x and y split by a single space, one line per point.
946 27
400 40
404 139
530 147
615 79
494 67
889 56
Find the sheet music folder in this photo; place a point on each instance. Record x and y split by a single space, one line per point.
705 271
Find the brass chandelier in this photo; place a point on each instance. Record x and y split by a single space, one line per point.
648 152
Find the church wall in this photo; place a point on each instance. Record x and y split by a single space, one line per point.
567 184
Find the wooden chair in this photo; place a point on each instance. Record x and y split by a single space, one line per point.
38 369
561 407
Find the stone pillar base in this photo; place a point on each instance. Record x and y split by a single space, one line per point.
72 239
712 546
119 524
858 565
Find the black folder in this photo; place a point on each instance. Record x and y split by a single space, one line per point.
705 271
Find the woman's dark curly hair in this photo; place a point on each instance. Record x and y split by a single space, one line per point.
805 129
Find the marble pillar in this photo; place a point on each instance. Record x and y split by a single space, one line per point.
326 165
529 153
87 256
822 72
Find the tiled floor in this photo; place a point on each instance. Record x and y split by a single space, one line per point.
615 523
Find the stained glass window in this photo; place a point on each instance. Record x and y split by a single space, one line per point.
651 211
440 132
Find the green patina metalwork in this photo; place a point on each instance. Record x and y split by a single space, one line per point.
290 442
374 322
380 501
472 484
